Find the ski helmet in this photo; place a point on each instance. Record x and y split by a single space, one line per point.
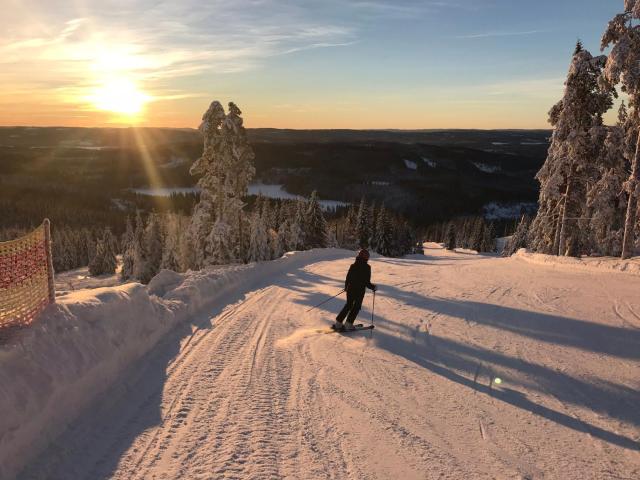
363 254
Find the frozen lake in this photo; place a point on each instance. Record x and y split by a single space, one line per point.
267 190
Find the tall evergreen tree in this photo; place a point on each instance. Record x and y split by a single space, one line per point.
569 167
384 233
225 170
317 234
623 35
363 228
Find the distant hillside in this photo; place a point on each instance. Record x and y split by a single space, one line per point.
428 175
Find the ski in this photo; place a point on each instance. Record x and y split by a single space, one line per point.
357 328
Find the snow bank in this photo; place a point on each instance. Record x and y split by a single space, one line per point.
410 165
599 264
81 345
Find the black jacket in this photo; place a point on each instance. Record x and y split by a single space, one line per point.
358 277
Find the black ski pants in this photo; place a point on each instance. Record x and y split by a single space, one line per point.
352 308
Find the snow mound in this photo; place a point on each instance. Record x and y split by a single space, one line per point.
483 167
410 165
430 163
164 281
81 345
599 264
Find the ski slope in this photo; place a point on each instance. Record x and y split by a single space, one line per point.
256 389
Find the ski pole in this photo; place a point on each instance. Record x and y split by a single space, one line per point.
327 300
373 307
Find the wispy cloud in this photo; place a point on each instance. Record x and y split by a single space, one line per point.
499 34
69 46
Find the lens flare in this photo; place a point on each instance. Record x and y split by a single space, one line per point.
119 96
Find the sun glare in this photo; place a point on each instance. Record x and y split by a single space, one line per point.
120 96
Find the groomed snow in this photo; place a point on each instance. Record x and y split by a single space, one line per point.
249 385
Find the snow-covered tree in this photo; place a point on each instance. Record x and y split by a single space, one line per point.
127 259
607 198
316 234
519 239
225 170
623 35
139 249
296 233
384 233
259 244
450 237
570 163
170 249
350 234
363 228
104 260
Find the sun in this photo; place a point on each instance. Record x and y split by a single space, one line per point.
120 96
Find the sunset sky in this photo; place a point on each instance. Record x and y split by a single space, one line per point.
303 64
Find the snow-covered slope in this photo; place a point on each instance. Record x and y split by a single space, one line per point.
255 387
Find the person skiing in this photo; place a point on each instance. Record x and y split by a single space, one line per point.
358 279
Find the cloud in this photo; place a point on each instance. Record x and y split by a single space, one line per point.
69 47
499 34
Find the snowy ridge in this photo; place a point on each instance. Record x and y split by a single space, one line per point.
81 345
597 264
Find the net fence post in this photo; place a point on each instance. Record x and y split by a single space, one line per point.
47 243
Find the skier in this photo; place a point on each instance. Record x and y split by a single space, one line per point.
358 279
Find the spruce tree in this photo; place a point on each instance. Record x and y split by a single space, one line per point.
109 261
225 170
153 246
384 233
259 244
127 243
569 167
623 35
96 264
363 228
317 234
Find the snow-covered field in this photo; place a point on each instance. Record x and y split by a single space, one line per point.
250 385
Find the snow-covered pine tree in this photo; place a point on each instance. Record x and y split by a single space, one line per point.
372 225
520 238
317 234
350 234
623 34
276 248
171 241
607 199
153 246
488 239
109 261
127 243
96 263
384 233
139 249
450 237
225 170
363 229
259 239
569 166
295 232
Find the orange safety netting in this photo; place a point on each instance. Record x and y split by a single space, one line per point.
26 277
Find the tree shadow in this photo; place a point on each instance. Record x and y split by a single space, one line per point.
555 329
443 357
459 362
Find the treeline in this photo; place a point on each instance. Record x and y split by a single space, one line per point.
473 233
163 241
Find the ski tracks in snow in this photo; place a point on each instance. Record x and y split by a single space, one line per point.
256 393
